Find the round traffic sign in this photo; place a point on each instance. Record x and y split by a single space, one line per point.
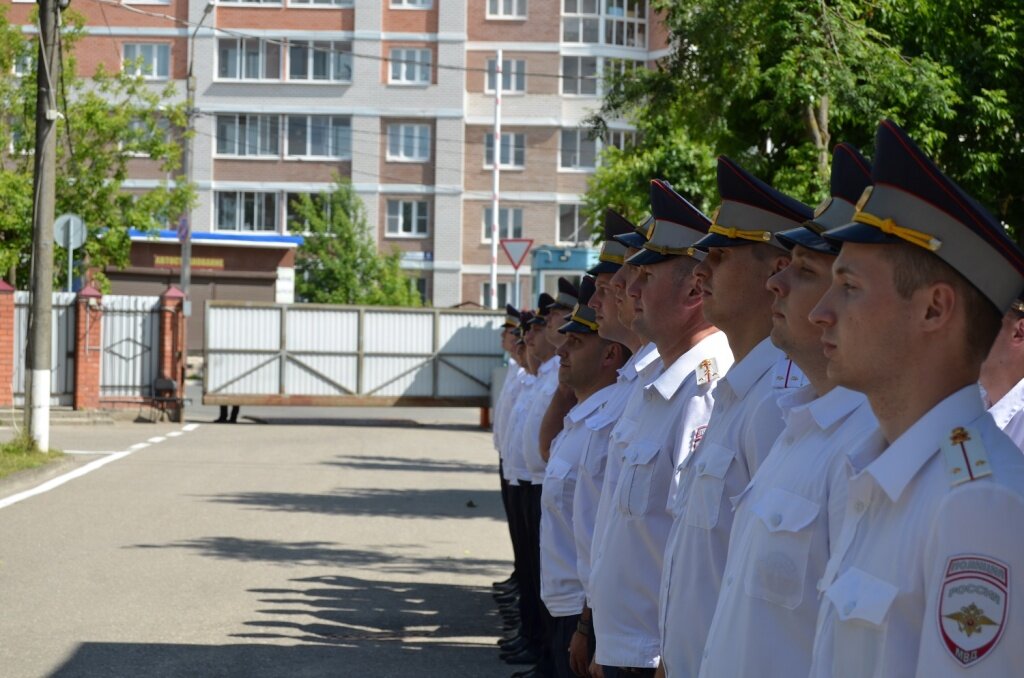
69 231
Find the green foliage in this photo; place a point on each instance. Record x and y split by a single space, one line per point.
22 453
338 262
774 85
110 120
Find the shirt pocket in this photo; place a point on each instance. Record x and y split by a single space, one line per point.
636 478
559 485
595 455
704 498
861 604
781 534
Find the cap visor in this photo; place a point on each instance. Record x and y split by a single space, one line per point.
860 233
647 257
805 238
604 267
719 240
575 327
634 240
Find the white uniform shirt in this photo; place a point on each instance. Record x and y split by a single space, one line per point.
514 462
560 586
625 576
927 568
503 406
592 470
547 384
743 427
785 521
1009 413
625 402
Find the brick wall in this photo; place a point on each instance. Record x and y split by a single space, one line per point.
6 344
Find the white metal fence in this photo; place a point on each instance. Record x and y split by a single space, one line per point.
312 354
131 341
62 352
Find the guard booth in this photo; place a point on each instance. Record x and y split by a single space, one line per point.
551 263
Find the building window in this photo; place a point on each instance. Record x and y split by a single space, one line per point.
626 23
503 294
410 66
411 4
513 75
23 65
579 151
513 150
322 3
506 9
143 133
572 229
293 221
249 135
248 59
319 136
151 60
245 211
408 218
320 61
250 2
620 139
581 21
579 75
510 223
408 143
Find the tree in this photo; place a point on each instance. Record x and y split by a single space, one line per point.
109 121
773 84
338 262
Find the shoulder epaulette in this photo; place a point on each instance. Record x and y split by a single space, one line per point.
965 456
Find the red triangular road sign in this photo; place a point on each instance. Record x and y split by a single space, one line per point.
516 249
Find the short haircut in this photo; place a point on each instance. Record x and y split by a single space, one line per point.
765 252
914 268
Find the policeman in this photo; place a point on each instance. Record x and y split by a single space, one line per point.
588 365
502 405
790 512
1002 375
562 400
591 471
741 256
673 405
924 576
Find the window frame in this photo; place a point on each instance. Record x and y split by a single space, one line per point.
240 61
503 285
579 79
404 63
514 150
517 70
160 48
413 234
558 226
329 136
240 209
580 140
411 4
338 58
273 123
509 230
501 16
414 127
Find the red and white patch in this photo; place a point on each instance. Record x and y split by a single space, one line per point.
972 606
698 435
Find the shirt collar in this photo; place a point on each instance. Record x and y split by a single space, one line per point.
628 371
582 410
1009 405
647 354
900 462
673 376
549 364
835 405
742 376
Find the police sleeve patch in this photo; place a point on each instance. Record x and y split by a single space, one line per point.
972 606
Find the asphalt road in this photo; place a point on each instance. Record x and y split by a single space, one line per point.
318 543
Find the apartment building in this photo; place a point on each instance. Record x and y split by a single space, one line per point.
396 96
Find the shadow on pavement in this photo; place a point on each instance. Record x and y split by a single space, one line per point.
424 464
329 554
411 503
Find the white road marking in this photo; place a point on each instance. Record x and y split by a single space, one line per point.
60 480
90 452
90 467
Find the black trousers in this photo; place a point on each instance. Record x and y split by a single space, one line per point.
545 622
627 672
520 498
508 516
564 627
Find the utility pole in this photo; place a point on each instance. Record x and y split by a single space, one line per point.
496 178
185 233
37 375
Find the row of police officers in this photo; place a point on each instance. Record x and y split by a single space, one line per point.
774 442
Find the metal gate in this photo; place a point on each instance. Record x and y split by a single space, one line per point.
62 355
313 354
131 336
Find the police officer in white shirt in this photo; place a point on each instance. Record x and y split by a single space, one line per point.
674 405
924 578
588 365
791 511
741 257
1002 375
501 408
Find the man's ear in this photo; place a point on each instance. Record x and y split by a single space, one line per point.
1017 338
780 262
938 302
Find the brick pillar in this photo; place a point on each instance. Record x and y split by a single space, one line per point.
172 337
6 344
88 347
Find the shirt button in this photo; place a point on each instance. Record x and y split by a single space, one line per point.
776 520
789 440
860 506
849 607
